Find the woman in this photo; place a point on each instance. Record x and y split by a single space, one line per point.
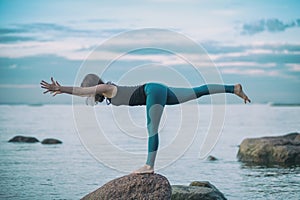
154 95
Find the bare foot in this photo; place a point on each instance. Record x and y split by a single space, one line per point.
238 90
146 169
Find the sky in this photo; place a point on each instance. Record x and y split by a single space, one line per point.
255 43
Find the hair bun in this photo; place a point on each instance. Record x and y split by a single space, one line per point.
99 98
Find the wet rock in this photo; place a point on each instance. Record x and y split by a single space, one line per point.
133 186
282 150
196 190
51 141
24 139
212 158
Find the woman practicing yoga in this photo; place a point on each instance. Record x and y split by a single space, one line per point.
154 95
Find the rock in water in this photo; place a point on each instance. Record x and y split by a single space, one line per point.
51 141
196 190
212 158
134 186
283 150
23 139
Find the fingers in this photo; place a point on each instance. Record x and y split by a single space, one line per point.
53 82
46 86
52 87
44 82
55 93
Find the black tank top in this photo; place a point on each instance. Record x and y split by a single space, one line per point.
129 95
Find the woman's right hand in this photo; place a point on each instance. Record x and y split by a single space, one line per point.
53 88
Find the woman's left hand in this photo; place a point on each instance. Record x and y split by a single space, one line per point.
53 88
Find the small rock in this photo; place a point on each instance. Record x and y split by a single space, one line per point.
133 186
212 158
24 139
202 184
51 141
196 190
282 150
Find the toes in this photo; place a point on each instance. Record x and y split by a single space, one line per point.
246 99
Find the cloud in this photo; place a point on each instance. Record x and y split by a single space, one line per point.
19 86
220 50
53 32
294 67
224 12
9 30
12 39
77 44
245 64
269 25
253 72
256 59
48 27
31 70
107 20
13 66
33 27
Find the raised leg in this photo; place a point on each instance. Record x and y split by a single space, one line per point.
181 95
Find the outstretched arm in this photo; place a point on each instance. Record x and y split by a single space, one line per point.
55 88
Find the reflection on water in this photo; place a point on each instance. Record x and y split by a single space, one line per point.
269 181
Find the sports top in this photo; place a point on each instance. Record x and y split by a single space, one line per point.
129 95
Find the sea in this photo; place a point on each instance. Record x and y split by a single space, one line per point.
73 169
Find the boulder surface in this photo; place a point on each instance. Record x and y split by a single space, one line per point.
282 150
51 141
196 190
23 139
134 186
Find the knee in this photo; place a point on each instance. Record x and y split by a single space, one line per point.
152 130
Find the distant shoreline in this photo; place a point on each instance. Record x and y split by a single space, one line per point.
202 103
285 104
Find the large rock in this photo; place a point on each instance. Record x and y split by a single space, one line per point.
133 186
196 190
23 139
283 150
51 141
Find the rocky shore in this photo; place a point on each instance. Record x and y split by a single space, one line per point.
196 190
153 186
28 139
23 139
281 150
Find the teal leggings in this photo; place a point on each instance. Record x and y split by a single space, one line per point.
159 95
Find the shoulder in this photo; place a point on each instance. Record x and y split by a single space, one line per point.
104 88
108 90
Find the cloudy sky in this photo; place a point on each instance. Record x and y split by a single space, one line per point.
255 43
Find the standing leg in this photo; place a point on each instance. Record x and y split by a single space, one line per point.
155 102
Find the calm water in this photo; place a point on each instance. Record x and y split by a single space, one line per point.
68 171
